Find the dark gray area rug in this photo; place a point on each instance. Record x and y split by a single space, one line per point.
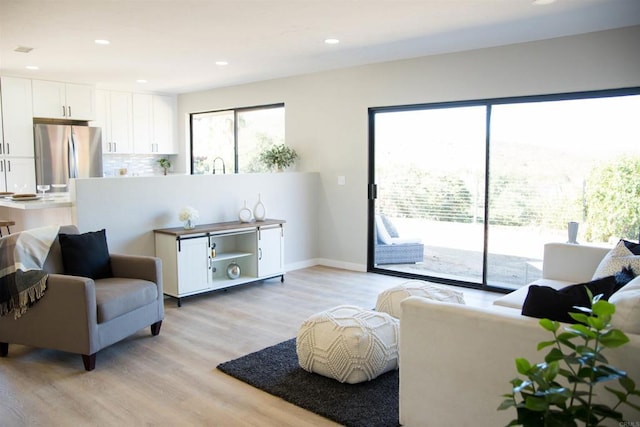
275 370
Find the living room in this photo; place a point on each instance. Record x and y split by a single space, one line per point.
141 380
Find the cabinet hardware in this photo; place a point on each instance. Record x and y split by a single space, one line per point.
64 112
2 166
8 165
69 110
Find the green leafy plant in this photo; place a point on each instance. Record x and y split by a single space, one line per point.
561 390
165 164
278 156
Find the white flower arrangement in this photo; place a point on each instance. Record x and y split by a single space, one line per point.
188 214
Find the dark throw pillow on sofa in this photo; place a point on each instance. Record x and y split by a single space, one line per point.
86 255
633 247
545 302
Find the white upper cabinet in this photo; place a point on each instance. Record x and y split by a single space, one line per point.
164 126
154 124
114 114
56 100
143 123
17 118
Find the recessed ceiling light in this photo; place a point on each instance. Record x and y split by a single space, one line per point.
222 63
141 81
102 41
32 67
331 41
542 2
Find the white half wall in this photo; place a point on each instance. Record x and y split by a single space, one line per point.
326 113
130 208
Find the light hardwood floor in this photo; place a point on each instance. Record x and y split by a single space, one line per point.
171 379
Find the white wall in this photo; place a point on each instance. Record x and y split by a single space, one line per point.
326 113
131 208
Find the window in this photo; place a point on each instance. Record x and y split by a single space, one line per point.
483 185
230 141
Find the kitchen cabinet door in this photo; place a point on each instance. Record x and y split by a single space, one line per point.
80 101
270 251
143 123
20 174
17 115
121 122
164 124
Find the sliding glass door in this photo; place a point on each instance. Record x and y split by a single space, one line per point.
469 193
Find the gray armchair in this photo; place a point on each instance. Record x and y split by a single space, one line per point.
81 315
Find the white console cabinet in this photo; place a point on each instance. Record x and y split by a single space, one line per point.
205 258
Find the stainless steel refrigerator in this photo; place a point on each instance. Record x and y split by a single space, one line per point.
67 151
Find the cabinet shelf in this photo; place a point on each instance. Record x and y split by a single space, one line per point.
229 256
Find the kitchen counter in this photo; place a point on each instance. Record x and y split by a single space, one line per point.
50 201
52 210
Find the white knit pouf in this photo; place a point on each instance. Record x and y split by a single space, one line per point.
390 299
349 344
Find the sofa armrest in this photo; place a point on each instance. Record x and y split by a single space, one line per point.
137 267
570 262
62 319
452 353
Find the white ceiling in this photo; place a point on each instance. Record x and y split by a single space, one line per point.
174 44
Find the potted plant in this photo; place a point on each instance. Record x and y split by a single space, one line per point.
561 390
165 164
278 157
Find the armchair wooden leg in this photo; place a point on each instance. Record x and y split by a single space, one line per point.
89 361
4 349
155 328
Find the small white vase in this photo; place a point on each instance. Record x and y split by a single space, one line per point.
245 213
259 211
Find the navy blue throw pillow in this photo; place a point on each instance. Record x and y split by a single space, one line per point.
633 247
545 302
86 255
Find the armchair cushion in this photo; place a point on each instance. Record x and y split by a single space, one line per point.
116 296
86 255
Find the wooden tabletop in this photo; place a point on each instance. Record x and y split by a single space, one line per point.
218 227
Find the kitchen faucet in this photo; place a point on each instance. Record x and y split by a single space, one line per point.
214 165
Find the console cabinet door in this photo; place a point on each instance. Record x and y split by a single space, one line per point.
270 251
193 265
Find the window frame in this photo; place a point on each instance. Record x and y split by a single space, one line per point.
488 104
236 112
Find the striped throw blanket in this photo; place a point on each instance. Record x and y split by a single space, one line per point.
22 280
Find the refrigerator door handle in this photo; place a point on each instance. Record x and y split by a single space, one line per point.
72 154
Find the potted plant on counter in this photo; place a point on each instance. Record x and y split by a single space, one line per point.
278 157
165 164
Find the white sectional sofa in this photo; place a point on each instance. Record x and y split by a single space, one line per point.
456 361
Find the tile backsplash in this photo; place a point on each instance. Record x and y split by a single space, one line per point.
132 164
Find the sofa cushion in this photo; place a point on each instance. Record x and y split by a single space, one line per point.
86 254
516 298
627 302
616 259
117 296
555 304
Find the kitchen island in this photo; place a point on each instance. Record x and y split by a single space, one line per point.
54 209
